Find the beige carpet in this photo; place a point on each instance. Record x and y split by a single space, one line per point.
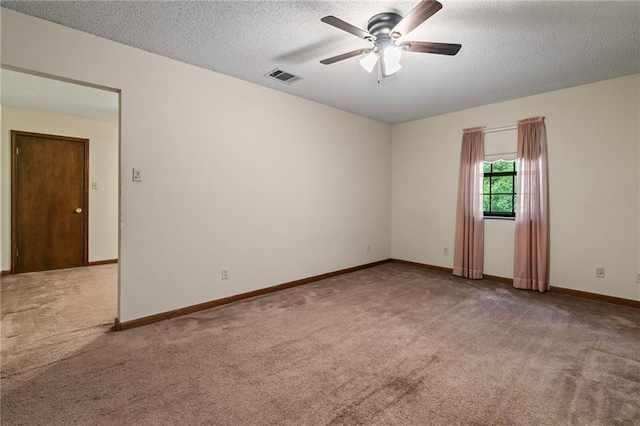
391 345
48 316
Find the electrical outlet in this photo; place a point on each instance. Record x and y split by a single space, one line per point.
367 248
445 251
600 272
638 278
94 185
225 273
137 175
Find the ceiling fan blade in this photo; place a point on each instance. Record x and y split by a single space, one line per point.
427 47
345 26
345 56
423 11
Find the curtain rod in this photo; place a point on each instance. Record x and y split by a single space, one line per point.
501 129
500 153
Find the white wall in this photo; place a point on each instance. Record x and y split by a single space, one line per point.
271 186
103 169
593 141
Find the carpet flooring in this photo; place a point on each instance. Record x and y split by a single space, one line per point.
390 345
48 316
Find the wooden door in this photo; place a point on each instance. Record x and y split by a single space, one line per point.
49 202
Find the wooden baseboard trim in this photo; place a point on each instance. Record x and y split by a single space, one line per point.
554 289
218 302
225 300
423 265
102 262
596 296
497 279
493 278
97 262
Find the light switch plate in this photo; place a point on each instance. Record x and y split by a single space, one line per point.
137 175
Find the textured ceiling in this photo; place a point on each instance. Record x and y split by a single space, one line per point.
510 49
27 91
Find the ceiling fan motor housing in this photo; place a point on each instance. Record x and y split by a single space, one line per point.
380 25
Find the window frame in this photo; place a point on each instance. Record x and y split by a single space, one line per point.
514 175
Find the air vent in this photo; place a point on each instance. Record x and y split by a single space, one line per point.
283 76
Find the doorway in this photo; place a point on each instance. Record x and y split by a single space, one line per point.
49 202
60 178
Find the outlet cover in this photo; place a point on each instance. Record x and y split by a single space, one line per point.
638 278
600 272
225 273
137 175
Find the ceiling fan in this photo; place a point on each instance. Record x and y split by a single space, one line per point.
384 31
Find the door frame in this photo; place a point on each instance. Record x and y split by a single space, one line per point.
14 192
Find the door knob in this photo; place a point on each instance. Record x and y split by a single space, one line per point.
78 210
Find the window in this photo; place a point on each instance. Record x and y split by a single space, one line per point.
499 189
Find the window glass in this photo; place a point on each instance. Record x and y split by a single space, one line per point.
499 188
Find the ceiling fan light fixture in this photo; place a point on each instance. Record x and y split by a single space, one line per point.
369 61
391 60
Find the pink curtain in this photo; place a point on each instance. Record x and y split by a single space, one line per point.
469 244
531 258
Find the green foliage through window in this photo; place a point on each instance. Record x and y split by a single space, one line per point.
499 188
